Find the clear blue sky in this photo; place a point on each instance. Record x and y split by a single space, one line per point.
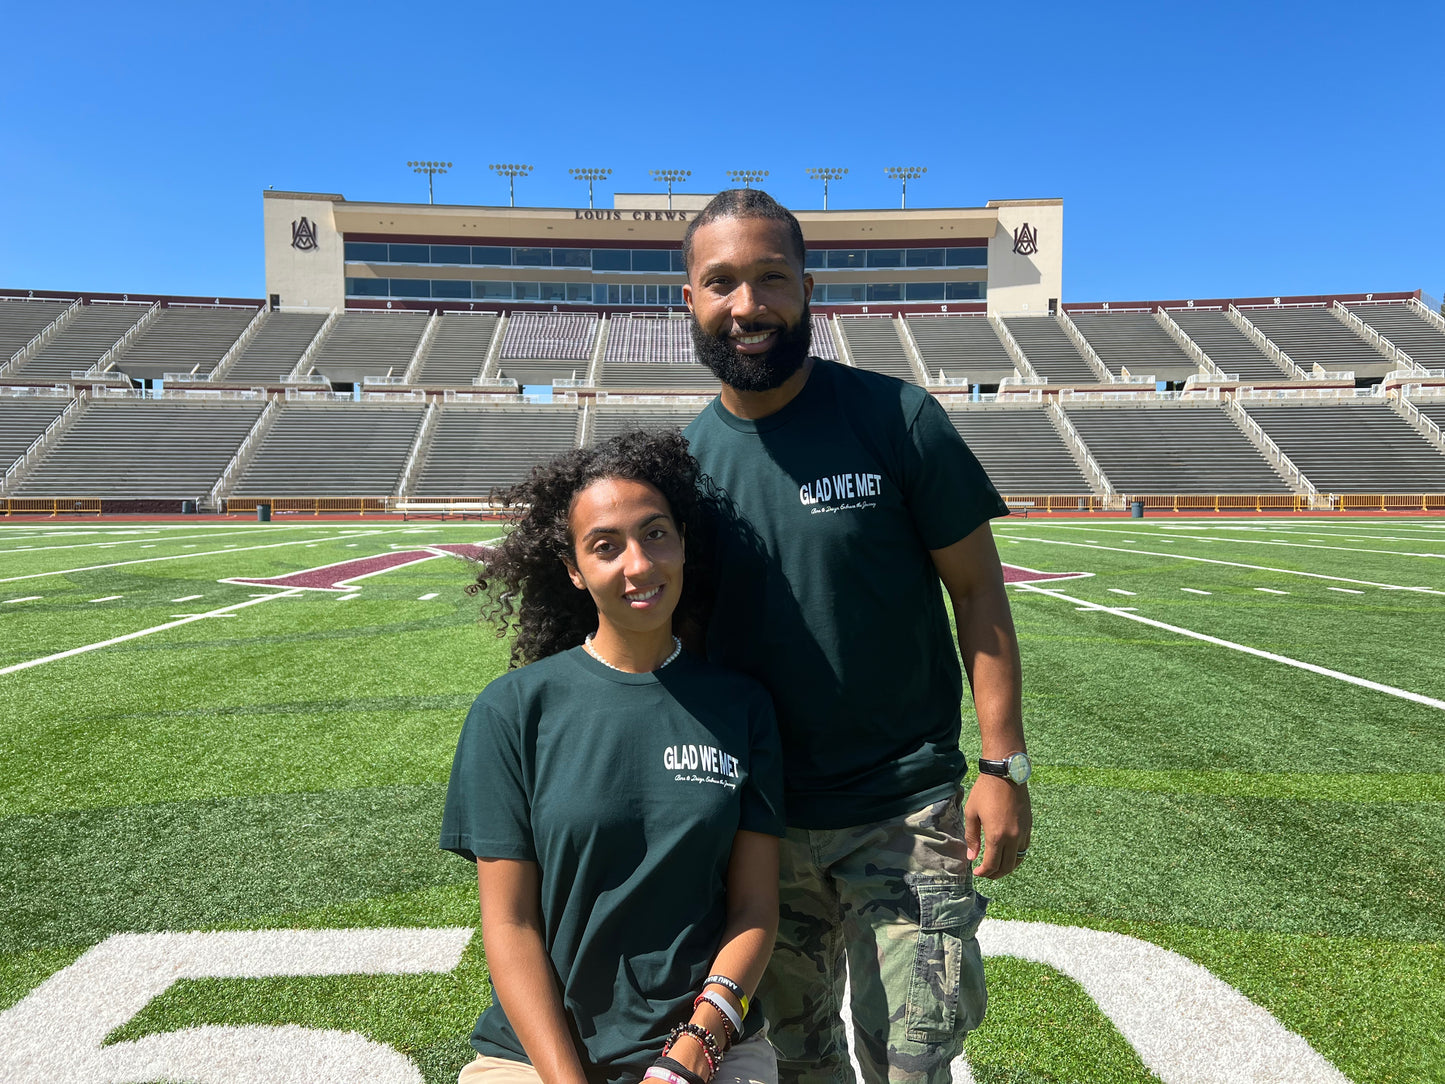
1200 150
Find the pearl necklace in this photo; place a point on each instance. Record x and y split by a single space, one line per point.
587 646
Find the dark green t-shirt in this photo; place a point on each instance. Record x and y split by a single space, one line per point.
626 790
827 594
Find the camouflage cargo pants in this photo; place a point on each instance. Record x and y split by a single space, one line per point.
896 901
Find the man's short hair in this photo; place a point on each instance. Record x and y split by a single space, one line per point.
744 203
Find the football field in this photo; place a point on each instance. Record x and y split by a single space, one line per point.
229 743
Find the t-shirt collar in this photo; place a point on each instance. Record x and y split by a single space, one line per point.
817 385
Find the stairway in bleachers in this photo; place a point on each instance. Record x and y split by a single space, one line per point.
276 348
340 449
1135 341
1174 449
458 350
1432 408
1407 329
180 339
874 344
961 346
609 421
22 420
1353 448
1020 450
1313 335
364 343
1050 351
142 448
82 341
1228 347
475 450
22 320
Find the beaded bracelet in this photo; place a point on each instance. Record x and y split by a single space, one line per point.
731 987
732 1023
704 1037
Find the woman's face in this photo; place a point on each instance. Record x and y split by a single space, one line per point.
628 553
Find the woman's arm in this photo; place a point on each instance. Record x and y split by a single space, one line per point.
521 970
747 941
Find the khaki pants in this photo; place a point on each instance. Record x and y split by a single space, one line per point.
752 1061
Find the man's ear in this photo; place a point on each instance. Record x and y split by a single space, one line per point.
687 295
807 287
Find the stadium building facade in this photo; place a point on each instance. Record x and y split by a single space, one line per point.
326 252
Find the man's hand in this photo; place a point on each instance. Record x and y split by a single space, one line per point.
997 818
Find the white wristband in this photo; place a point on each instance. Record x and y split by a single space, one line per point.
729 1013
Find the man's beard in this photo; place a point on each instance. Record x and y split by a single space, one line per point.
754 372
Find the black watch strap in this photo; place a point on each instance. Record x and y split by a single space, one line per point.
993 767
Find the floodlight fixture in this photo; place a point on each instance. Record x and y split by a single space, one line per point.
670 177
590 175
511 171
431 169
826 174
747 176
905 174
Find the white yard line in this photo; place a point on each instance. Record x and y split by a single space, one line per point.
1229 564
1121 591
1271 591
1197 591
348 598
107 598
226 610
187 598
1364 683
149 539
27 598
1345 590
1270 542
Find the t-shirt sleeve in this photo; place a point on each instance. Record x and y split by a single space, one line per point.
762 798
487 812
947 490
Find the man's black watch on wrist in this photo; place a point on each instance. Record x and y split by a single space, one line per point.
1016 767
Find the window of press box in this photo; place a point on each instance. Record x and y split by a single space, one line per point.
532 257
612 259
650 259
885 257
367 252
451 254
488 255
451 288
411 288
368 287
410 253
571 257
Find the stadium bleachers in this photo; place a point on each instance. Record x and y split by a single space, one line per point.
457 353
1353 447
1228 347
1407 328
80 344
873 343
275 349
1312 335
1020 449
961 346
1168 448
142 448
608 420
475 450
1050 351
1134 341
22 420
550 336
649 339
22 319
332 449
824 345
183 339
369 343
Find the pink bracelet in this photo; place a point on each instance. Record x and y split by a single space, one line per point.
659 1073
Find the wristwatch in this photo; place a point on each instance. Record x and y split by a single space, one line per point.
1016 767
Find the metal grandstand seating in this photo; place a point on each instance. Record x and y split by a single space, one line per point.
874 344
332 449
550 336
22 420
22 319
80 344
1050 350
961 346
1228 347
458 351
1407 327
476 449
1353 447
1020 449
649 339
1167 448
184 339
610 420
142 449
824 345
1312 335
277 347
369 343
1134 341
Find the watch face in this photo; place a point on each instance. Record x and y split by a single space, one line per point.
1020 768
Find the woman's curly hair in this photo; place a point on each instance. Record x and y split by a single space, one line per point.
524 580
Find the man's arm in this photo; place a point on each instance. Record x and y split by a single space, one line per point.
997 812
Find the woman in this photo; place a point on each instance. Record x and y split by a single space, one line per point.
620 797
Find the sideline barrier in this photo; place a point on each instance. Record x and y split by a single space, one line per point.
1391 502
1225 502
314 505
54 506
1073 502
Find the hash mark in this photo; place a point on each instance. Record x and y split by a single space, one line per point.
107 598
1196 591
27 598
1120 591
1345 590
1271 591
428 598
345 598
187 598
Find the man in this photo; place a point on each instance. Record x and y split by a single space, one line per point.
850 498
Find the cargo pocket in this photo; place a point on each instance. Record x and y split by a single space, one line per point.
946 996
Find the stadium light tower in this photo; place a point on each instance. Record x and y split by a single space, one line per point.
431 169
905 174
590 175
670 177
826 174
747 176
511 171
